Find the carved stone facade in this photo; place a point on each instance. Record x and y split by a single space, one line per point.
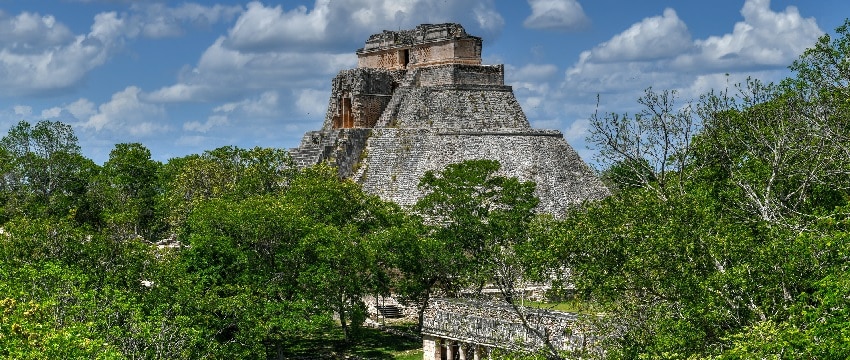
360 97
426 45
420 100
468 329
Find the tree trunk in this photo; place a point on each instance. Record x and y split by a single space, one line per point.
422 310
345 330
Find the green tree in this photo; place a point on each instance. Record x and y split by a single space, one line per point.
6 184
650 148
822 79
475 213
345 244
130 190
224 172
45 170
304 253
780 167
475 222
745 260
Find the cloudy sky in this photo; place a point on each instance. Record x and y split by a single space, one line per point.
182 77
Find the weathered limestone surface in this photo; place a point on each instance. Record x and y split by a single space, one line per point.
359 96
420 100
342 147
397 159
425 45
497 325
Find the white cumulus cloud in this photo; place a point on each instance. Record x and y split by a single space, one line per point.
312 101
39 54
764 39
277 60
156 20
127 113
81 109
32 32
264 106
652 38
213 121
556 15
532 86
659 51
338 24
223 73
22 110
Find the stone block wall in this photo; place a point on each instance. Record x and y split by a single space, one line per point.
397 159
368 92
455 106
342 147
386 59
418 35
425 45
456 74
367 109
349 150
497 324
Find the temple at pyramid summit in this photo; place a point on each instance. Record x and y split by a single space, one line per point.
421 99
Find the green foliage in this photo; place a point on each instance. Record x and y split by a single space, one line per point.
746 260
474 215
824 69
728 239
307 252
628 174
774 164
226 172
684 277
43 171
27 331
474 233
129 187
272 256
649 149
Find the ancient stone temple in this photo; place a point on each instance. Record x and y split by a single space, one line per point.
419 100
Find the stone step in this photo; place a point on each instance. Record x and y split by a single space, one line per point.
315 147
390 311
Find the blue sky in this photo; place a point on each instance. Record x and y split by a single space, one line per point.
184 77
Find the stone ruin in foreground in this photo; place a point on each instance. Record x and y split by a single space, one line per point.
419 100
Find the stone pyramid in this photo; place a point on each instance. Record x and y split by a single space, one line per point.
419 100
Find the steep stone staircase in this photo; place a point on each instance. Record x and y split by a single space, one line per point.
315 147
388 117
341 147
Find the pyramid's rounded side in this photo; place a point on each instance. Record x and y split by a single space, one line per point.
395 160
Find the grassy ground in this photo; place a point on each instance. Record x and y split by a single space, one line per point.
376 344
370 344
573 306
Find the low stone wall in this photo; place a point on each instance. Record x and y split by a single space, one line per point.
498 325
